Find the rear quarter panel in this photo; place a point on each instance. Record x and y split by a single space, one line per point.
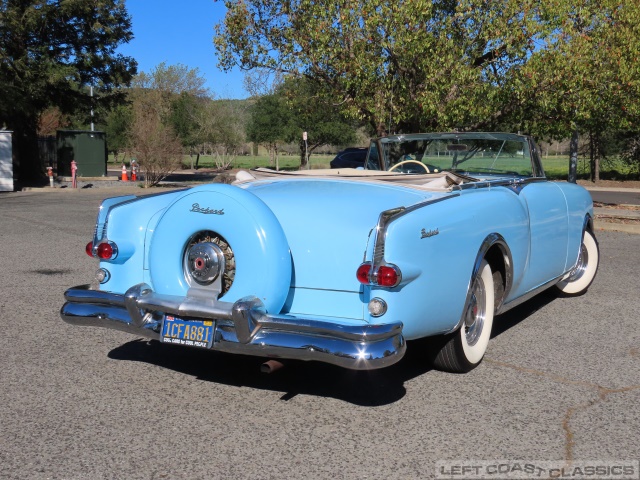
442 264
128 225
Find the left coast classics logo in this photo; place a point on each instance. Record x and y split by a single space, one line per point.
209 211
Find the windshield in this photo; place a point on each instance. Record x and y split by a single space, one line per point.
478 154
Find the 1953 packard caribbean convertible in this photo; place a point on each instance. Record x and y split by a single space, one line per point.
433 238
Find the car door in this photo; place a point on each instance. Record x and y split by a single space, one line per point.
549 232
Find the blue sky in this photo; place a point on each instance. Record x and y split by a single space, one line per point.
181 32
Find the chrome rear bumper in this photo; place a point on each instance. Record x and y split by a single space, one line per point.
241 327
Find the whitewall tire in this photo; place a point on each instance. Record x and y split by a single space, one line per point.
464 349
581 276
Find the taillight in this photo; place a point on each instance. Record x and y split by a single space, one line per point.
363 273
388 276
384 276
89 249
107 250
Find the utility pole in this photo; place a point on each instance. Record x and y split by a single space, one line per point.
91 93
573 157
306 155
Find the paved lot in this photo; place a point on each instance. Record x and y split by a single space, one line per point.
620 196
561 381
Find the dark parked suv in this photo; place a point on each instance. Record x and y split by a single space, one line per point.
350 158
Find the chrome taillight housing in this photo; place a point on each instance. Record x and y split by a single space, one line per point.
104 251
387 275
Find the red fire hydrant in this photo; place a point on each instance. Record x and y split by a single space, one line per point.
74 180
134 171
50 175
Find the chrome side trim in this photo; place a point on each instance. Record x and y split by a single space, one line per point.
515 184
241 327
529 295
384 220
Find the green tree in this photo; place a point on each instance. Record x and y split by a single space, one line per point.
154 143
185 116
399 66
173 80
296 106
181 95
552 67
584 78
217 126
118 125
222 129
50 50
311 113
269 123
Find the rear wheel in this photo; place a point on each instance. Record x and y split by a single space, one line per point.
464 349
582 275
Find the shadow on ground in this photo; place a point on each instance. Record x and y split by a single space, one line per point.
513 317
369 389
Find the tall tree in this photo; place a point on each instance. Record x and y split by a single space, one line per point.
262 81
550 67
296 106
268 123
312 113
400 66
179 93
173 80
186 112
118 124
157 148
584 76
222 128
50 50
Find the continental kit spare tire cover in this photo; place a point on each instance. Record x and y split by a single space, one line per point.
250 234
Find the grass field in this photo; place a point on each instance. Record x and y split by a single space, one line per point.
611 169
554 167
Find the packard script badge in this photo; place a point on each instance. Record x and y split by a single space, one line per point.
430 233
209 211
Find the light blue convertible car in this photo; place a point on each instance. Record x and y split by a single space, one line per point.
433 238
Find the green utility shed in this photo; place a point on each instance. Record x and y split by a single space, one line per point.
88 149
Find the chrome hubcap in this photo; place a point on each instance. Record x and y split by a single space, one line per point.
203 262
581 264
208 261
475 314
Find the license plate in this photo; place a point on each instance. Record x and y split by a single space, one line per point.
193 333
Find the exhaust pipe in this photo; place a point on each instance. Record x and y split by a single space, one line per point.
271 366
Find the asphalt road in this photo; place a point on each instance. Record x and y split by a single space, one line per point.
616 197
561 381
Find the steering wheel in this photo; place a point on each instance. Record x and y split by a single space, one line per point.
410 161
